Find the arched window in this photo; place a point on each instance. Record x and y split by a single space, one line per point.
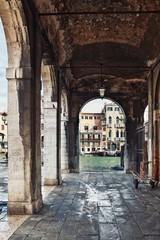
110 134
110 120
117 120
121 133
117 133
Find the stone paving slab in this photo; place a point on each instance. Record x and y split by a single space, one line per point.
96 206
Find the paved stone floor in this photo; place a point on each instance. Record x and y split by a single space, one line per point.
8 224
95 206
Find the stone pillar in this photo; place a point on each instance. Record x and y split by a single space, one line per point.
50 143
74 145
64 145
129 153
156 144
150 124
24 165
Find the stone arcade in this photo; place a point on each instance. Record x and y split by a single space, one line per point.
63 43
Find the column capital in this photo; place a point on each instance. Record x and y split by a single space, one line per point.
19 73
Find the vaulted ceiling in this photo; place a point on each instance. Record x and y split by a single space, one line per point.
122 35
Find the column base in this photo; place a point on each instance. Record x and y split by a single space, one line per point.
65 171
127 171
50 182
24 208
74 170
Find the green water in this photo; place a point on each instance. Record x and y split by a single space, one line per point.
97 163
2 156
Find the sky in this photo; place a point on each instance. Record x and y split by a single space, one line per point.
94 106
3 66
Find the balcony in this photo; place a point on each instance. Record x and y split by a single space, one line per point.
89 140
109 125
117 139
109 139
117 125
123 139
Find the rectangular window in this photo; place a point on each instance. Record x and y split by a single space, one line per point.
82 117
85 136
95 117
95 127
98 117
86 128
116 109
2 127
90 117
96 136
86 117
104 138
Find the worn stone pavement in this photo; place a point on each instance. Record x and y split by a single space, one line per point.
93 206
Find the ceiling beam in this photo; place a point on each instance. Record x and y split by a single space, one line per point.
105 66
112 12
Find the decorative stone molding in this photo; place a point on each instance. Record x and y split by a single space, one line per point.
19 73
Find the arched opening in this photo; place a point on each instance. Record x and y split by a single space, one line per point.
101 135
49 150
3 121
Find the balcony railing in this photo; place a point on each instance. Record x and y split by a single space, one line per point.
109 139
117 125
90 140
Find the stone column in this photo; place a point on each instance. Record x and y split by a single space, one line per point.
129 153
150 124
74 145
64 145
24 165
156 144
50 143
